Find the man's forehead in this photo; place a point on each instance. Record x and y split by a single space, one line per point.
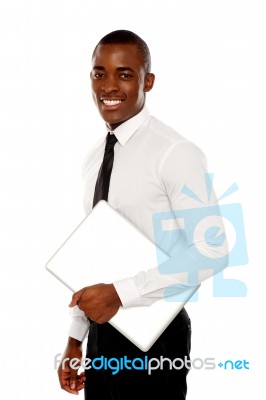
113 47
115 52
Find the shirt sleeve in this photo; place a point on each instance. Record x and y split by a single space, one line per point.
200 249
80 324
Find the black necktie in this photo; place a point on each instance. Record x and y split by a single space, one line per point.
103 180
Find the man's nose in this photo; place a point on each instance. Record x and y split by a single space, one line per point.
110 84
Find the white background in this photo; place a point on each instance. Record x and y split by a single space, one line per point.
209 59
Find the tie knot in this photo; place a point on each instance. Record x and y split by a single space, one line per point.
111 140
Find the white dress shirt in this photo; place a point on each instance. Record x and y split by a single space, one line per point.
152 163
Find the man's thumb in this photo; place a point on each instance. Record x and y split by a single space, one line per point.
75 298
73 303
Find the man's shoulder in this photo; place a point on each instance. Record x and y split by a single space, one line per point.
164 132
96 145
168 138
93 152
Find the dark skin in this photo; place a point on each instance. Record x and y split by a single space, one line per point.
119 85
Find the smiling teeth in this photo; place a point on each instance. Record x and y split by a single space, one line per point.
111 102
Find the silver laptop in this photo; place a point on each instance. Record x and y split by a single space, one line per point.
106 247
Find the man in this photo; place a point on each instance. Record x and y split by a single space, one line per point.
152 163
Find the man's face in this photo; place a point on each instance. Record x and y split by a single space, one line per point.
119 82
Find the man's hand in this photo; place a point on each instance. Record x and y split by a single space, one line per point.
69 379
98 302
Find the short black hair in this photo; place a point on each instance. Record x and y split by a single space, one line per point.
127 37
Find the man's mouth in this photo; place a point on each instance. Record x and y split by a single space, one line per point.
111 102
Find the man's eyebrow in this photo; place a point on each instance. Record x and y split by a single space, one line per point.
125 69
98 67
120 69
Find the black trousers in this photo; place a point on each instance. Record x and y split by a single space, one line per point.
105 342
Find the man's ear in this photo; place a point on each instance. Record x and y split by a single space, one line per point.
149 81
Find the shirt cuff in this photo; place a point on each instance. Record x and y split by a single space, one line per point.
80 324
128 292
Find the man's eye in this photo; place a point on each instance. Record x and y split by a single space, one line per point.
125 76
98 75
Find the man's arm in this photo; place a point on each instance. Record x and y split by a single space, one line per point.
184 177
69 378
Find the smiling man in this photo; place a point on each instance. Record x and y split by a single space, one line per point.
151 164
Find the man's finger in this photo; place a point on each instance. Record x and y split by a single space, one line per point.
76 297
73 380
81 381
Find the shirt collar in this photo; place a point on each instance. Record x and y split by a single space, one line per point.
124 131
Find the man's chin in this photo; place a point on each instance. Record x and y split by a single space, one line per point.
112 121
